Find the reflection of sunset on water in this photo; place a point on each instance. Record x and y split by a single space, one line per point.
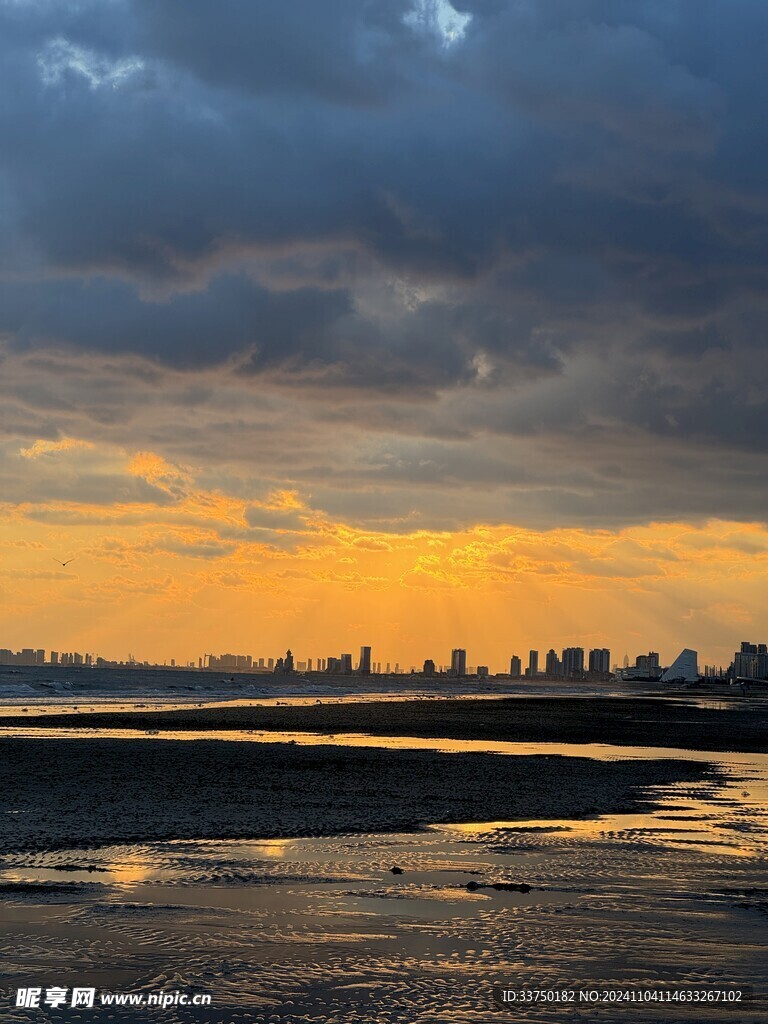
314 914
134 869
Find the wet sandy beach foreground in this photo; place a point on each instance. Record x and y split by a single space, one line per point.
321 930
261 873
91 791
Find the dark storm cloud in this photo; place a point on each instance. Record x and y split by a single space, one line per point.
190 328
559 213
347 52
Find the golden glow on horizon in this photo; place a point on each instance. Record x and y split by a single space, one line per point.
182 570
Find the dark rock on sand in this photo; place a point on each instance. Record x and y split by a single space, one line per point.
499 886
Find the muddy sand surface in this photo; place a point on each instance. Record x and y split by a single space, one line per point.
58 793
735 725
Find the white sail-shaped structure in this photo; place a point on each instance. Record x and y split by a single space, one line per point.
684 669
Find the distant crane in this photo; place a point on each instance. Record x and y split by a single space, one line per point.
64 563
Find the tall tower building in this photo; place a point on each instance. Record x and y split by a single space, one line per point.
533 664
364 667
515 667
553 666
600 660
573 662
458 662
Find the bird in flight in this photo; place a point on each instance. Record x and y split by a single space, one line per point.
63 563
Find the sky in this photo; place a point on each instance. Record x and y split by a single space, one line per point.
383 322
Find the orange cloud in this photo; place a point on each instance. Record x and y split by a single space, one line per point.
157 470
283 500
42 447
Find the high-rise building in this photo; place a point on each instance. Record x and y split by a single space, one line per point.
751 662
346 664
482 672
646 667
553 666
458 662
573 662
364 667
533 664
515 667
429 667
600 661
647 662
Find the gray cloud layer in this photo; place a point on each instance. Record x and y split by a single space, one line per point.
524 254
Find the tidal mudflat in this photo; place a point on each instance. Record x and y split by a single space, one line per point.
663 721
319 929
57 792
261 873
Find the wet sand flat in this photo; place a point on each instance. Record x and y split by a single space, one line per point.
320 931
88 792
660 722
260 872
